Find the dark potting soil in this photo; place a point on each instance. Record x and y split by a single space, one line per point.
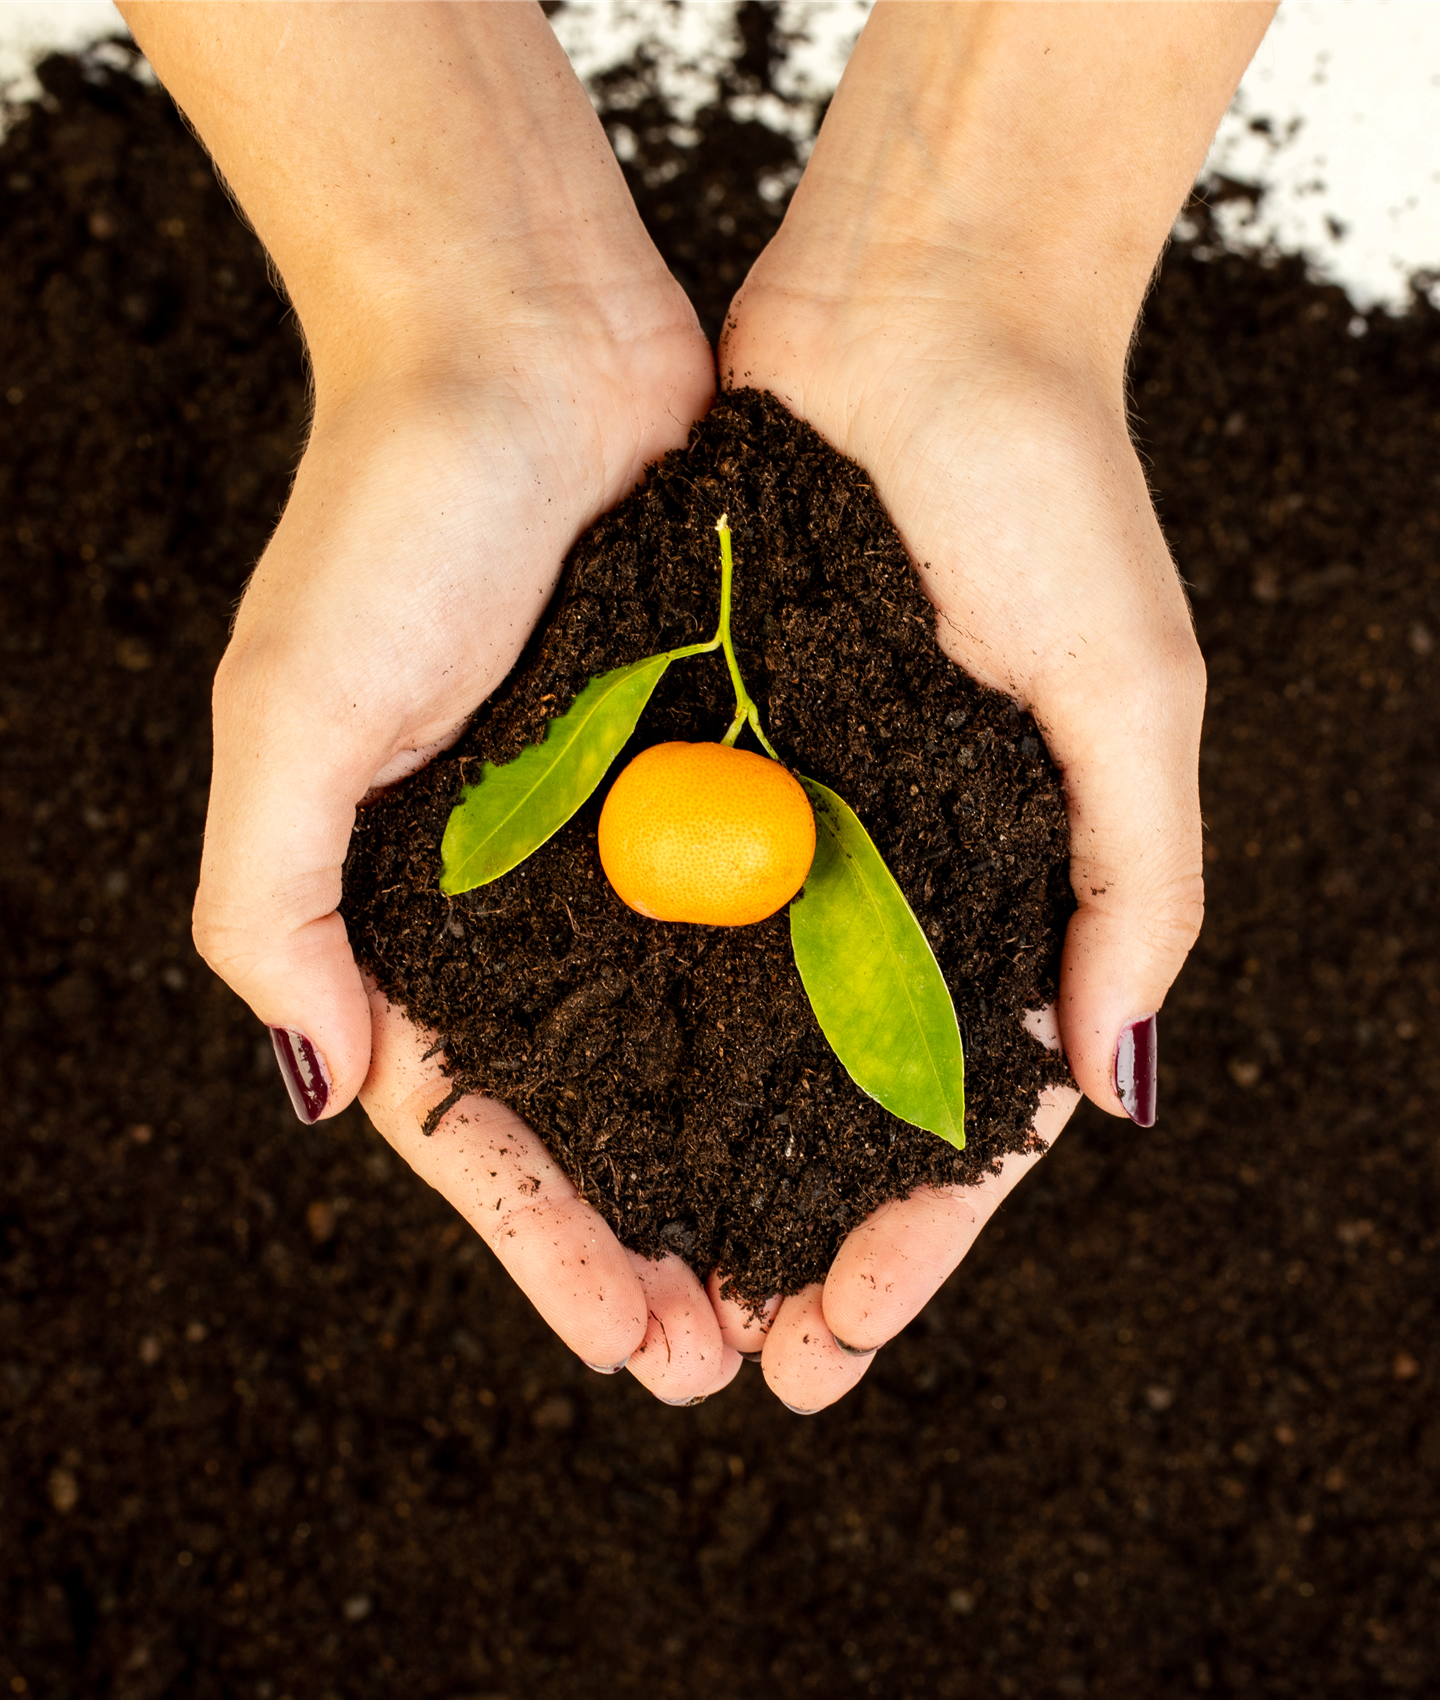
272 1420
677 1072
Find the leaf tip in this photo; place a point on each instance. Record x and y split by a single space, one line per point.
955 1137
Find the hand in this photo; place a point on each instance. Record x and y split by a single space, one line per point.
614 1309
1021 500
423 538
498 352
1019 496
950 302
410 567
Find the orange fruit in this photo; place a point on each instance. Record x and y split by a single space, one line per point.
703 833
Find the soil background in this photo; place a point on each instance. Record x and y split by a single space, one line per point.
274 1424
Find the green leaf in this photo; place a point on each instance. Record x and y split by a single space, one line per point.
513 809
872 978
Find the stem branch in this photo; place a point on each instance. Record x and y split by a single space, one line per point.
745 709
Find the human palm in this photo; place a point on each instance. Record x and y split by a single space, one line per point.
421 543
1013 482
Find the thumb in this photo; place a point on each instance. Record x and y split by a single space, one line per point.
289 770
1126 734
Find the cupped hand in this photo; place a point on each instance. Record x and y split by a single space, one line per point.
1021 500
423 538
1004 459
497 351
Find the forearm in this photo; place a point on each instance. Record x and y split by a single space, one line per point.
406 165
1036 152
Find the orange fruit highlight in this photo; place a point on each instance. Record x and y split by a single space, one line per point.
703 833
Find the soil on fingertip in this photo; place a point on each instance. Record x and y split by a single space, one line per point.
677 1072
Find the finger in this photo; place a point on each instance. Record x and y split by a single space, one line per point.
891 1266
1117 684
1118 687
502 1180
331 684
730 1366
1104 654
805 1368
740 1326
1130 763
287 777
682 1358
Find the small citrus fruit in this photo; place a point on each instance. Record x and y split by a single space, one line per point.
705 833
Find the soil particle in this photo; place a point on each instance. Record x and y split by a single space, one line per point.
677 1072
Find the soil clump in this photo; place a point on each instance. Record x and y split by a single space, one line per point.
677 1072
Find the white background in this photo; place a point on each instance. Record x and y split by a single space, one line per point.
1351 89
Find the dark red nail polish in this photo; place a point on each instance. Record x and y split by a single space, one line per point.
303 1070
1135 1070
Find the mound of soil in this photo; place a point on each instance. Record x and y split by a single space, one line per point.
272 1421
677 1072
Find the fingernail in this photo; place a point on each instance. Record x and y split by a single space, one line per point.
1135 1070
856 1351
605 1369
684 1404
752 1357
303 1070
799 1410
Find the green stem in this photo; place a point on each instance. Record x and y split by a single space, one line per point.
746 713
745 709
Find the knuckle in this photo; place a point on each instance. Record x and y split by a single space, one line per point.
1158 913
1174 919
1167 676
213 939
1187 670
234 940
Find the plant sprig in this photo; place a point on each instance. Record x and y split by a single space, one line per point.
866 965
745 709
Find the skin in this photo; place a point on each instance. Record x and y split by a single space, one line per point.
950 301
497 352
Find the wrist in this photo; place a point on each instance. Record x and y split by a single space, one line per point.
466 328
427 178
958 261
1025 162
917 288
